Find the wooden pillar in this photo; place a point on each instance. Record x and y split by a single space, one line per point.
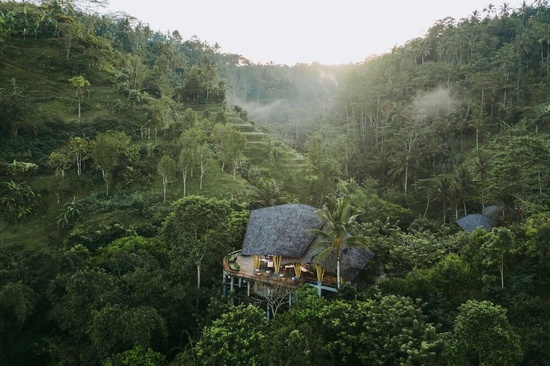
248 287
298 269
232 283
320 272
276 264
320 275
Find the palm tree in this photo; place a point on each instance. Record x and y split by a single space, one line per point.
423 50
335 235
268 193
420 49
208 73
475 16
490 10
464 185
482 168
504 10
445 190
79 83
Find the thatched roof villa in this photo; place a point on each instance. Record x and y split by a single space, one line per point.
471 222
279 249
488 219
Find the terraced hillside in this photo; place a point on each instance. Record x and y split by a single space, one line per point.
275 158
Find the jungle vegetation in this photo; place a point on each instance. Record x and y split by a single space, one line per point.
131 158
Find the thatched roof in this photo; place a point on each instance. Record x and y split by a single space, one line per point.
352 260
471 222
280 230
285 230
493 212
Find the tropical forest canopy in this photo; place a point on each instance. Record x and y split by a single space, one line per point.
130 160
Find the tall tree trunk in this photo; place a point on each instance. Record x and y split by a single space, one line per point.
406 179
78 163
428 201
199 274
198 263
203 170
106 179
197 303
184 177
338 272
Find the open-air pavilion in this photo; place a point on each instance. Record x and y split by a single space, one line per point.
280 250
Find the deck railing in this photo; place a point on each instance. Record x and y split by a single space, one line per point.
247 271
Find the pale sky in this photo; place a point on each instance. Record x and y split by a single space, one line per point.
301 31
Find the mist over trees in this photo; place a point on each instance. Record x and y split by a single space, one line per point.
422 116
131 159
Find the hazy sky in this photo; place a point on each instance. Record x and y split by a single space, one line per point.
292 31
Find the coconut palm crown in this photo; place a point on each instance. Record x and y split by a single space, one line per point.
334 235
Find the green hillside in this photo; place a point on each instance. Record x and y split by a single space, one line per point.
42 116
130 161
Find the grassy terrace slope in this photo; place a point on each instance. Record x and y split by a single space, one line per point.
261 148
39 69
275 159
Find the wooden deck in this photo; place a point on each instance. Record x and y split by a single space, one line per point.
266 274
263 274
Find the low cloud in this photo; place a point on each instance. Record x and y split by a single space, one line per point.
258 112
437 102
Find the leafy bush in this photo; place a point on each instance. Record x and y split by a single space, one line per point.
134 203
17 200
233 264
92 237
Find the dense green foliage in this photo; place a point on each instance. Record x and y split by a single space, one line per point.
131 158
